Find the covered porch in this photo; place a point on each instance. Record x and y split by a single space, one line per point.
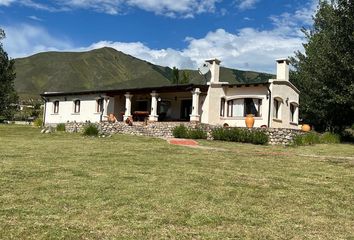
171 103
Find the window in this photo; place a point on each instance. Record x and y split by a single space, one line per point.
229 108
276 110
244 106
222 107
252 106
99 105
76 106
56 107
292 112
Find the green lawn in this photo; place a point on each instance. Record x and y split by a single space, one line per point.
65 186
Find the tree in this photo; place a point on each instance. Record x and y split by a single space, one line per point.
185 77
8 96
325 72
175 75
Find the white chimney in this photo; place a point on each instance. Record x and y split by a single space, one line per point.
283 69
214 70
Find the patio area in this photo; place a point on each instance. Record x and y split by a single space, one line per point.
168 104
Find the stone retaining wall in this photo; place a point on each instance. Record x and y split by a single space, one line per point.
282 136
156 129
164 129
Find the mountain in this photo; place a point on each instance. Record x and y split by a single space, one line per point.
103 69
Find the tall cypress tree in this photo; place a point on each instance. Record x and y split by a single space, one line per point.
325 71
175 75
8 96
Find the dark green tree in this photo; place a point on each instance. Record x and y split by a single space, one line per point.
175 75
324 73
185 77
8 96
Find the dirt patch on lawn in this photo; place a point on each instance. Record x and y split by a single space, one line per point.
183 142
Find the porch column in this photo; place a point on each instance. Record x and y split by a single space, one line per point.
128 106
104 111
153 114
105 106
195 117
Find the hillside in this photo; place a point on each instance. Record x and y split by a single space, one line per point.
104 68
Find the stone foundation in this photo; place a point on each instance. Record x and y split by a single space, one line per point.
277 136
152 129
281 136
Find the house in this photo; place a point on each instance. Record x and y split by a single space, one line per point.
273 102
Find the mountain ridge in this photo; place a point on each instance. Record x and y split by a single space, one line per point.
103 68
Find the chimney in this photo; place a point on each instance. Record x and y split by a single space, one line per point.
283 69
214 69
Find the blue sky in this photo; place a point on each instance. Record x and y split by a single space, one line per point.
244 34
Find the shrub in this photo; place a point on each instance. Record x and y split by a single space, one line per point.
90 130
2 119
298 140
239 135
226 134
259 138
219 134
180 131
38 122
196 133
329 138
61 127
347 136
310 138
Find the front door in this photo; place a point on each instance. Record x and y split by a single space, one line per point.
186 109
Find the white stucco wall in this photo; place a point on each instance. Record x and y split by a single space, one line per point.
259 92
209 109
88 106
288 94
211 105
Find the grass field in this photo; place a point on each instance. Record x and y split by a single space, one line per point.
65 186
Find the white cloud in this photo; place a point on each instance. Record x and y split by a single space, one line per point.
33 4
301 17
247 48
105 6
305 15
163 57
245 4
6 2
170 8
185 7
35 18
23 40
